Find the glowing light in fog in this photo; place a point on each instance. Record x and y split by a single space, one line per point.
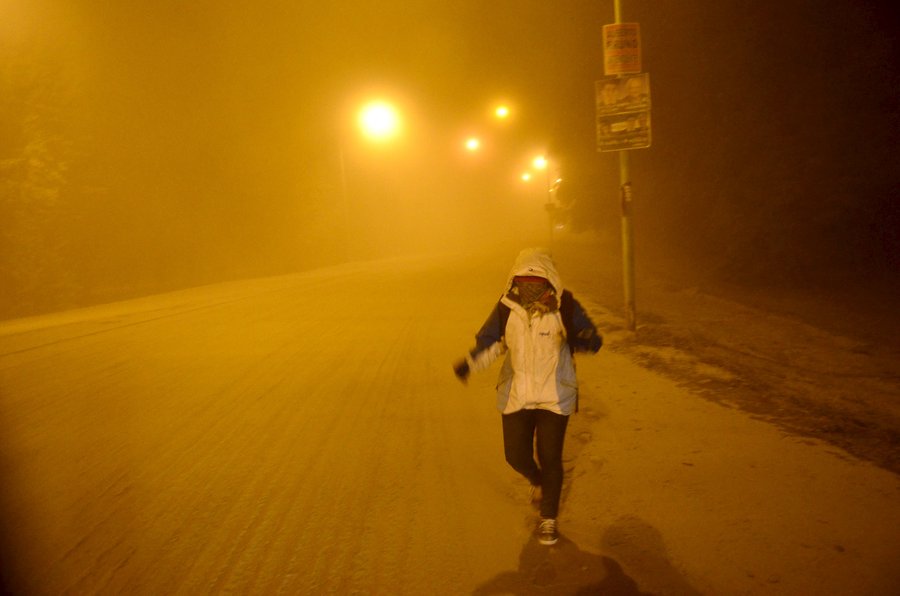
379 120
502 112
473 144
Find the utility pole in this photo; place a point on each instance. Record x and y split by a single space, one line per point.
627 241
623 123
627 226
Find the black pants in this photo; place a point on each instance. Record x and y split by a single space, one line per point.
519 432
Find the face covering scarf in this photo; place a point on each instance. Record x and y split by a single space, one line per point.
535 294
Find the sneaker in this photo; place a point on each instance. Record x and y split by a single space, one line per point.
547 533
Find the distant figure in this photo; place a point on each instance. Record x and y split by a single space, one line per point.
538 325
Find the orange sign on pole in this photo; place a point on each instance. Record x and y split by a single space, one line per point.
622 48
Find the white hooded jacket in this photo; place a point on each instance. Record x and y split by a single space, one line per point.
538 371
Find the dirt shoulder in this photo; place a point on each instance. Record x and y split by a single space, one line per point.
771 354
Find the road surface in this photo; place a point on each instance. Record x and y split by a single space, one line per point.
304 435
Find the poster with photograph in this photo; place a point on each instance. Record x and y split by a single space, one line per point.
618 95
623 112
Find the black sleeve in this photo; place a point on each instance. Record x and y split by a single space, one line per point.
581 332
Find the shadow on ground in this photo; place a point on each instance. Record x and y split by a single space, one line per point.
561 569
566 569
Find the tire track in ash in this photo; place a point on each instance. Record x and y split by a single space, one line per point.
233 512
111 517
241 559
355 481
170 455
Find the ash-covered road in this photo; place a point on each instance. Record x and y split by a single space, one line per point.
304 434
297 435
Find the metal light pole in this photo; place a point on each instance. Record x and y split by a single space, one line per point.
627 227
542 163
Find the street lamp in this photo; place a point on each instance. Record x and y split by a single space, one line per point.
473 144
542 163
379 121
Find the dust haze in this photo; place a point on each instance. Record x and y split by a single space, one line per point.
287 430
167 145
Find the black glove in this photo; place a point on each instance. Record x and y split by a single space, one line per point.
461 369
588 340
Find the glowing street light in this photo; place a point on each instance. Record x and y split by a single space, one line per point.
379 120
542 163
473 144
502 112
526 177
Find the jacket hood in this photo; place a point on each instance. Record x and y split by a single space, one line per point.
535 262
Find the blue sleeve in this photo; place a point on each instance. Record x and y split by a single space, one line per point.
492 331
586 337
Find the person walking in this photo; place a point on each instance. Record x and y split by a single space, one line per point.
538 325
